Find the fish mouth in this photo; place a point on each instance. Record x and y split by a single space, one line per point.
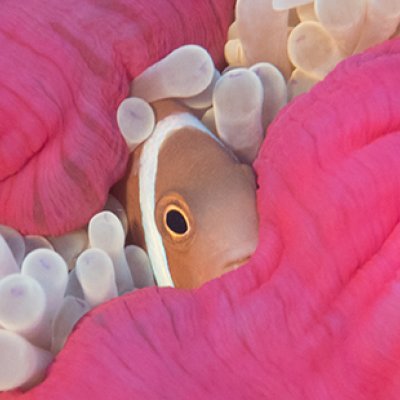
237 263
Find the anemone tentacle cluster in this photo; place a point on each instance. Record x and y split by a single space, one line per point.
41 299
310 37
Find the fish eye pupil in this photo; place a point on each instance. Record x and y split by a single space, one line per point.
176 222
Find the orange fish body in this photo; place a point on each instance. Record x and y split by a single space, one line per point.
189 201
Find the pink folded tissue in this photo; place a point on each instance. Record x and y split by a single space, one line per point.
65 67
314 314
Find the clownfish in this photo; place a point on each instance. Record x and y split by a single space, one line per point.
189 201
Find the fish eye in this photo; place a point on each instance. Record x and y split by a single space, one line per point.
176 221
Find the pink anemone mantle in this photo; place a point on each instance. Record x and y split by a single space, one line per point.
64 68
315 313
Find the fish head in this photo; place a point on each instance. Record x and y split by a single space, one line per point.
205 208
